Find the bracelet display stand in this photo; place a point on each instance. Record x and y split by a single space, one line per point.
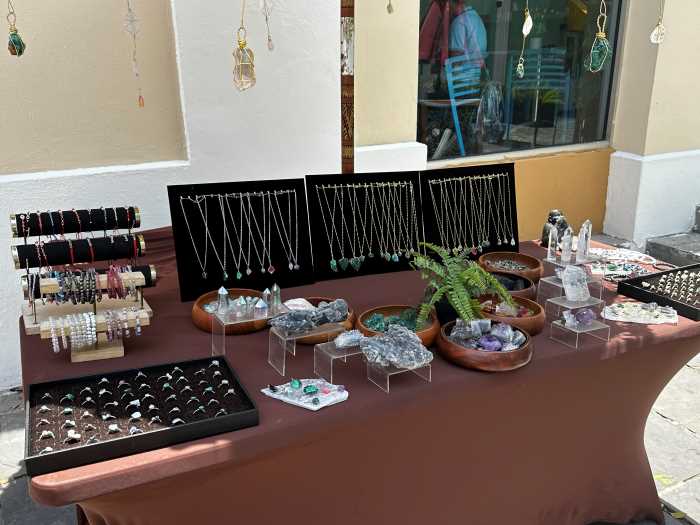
381 375
572 337
52 248
220 323
281 343
325 355
555 305
552 286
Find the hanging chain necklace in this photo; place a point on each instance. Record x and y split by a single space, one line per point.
243 58
333 233
344 262
438 214
131 26
511 226
266 8
472 218
202 263
365 242
239 238
659 32
601 51
251 215
205 219
527 27
284 232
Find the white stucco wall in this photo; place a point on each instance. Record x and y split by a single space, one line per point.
287 126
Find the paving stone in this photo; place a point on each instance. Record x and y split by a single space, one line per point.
674 452
686 497
11 402
680 400
680 249
17 508
11 445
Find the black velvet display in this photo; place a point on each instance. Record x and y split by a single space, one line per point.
432 234
96 219
190 275
319 209
58 252
204 380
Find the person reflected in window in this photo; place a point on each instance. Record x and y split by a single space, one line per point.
468 34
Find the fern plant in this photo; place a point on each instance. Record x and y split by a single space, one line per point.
457 279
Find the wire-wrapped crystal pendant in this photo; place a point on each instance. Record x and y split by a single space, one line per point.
600 55
15 44
243 63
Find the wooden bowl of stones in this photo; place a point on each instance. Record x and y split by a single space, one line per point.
513 262
488 352
374 321
202 318
527 315
517 285
328 336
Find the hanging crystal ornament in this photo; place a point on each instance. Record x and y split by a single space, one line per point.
131 26
601 51
266 8
659 32
15 44
389 7
527 27
243 59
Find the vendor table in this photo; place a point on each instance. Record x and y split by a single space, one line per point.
558 442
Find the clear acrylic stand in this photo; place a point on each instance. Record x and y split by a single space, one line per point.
282 343
555 305
221 321
571 337
325 355
571 262
381 376
552 286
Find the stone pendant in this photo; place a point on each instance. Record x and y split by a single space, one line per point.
239 275
334 265
355 263
395 257
15 44
248 271
344 263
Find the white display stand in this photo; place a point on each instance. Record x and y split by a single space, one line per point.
572 337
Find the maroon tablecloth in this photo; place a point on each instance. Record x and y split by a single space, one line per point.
558 442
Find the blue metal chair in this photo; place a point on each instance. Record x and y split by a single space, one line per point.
464 87
545 71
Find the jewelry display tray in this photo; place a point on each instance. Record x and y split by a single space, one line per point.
633 288
242 413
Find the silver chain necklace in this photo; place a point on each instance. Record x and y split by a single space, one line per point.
202 265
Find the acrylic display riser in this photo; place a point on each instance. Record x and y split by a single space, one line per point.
381 375
221 322
552 286
281 343
559 263
556 305
574 337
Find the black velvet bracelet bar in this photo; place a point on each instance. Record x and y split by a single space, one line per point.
74 221
56 253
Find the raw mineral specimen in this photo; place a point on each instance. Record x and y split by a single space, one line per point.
490 343
575 282
498 337
585 317
399 347
504 332
333 312
295 322
349 338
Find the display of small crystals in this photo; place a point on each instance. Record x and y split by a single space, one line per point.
481 334
581 318
300 321
312 394
398 346
642 313
245 308
380 323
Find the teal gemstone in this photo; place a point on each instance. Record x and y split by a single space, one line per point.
16 45
387 256
225 276
295 384
601 54
344 263
395 258
310 390
239 275
334 265
355 262
315 401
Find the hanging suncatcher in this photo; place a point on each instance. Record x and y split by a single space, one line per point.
527 27
659 32
243 59
15 44
601 51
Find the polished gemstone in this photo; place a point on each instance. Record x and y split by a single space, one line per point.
248 271
334 265
296 266
311 389
225 276
291 266
271 269
355 262
344 262
16 45
239 275
295 384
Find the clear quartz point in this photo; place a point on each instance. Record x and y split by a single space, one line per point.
566 245
584 242
552 246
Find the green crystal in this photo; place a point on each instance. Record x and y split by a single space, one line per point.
395 258
344 263
239 275
315 401
295 384
310 390
387 256
16 45
225 276
601 54
376 322
355 262
334 265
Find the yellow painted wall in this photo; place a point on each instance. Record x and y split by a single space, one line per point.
71 101
386 71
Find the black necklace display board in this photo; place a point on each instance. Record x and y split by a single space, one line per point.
471 209
363 223
249 234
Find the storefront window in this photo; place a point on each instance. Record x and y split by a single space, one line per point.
471 101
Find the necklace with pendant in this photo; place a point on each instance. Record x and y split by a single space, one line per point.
251 219
202 263
438 213
330 233
205 218
365 242
284 231
239 237
511 226
343 262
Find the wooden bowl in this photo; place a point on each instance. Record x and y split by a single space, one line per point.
480 360
323 338
427 335
528 292
202 319
534 271
531 325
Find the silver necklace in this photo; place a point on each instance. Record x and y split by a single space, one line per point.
202 265
284 232
239 238
205 218
330 234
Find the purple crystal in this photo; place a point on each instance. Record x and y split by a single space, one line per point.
490 343
585 316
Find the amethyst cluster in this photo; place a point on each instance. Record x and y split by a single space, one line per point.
487 337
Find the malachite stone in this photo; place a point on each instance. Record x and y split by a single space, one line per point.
344 263
315 401
239 275
295 384
16 45
355 262
395 258
311 389
334 265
